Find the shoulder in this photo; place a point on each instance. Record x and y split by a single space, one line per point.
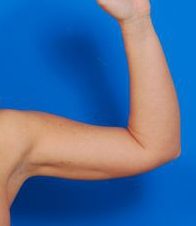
15 129
28 125
11 120
10 114
19 119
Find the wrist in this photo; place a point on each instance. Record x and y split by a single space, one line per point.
140 25
136 19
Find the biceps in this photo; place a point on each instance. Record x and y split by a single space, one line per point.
81 151
101 149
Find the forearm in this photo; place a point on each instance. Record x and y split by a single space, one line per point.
154 114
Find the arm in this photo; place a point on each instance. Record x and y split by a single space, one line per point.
155 116
55 146
152 137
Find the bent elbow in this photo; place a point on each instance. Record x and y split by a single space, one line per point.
166 155
177 153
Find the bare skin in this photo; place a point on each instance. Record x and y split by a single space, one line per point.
36 143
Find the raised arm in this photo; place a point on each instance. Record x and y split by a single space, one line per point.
152 136
55 146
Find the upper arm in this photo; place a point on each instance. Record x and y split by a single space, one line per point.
77 150
60 147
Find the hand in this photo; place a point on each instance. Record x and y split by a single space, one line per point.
126 10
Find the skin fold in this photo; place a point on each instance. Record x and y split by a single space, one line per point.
41 144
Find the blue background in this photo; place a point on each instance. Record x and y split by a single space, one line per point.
67 58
